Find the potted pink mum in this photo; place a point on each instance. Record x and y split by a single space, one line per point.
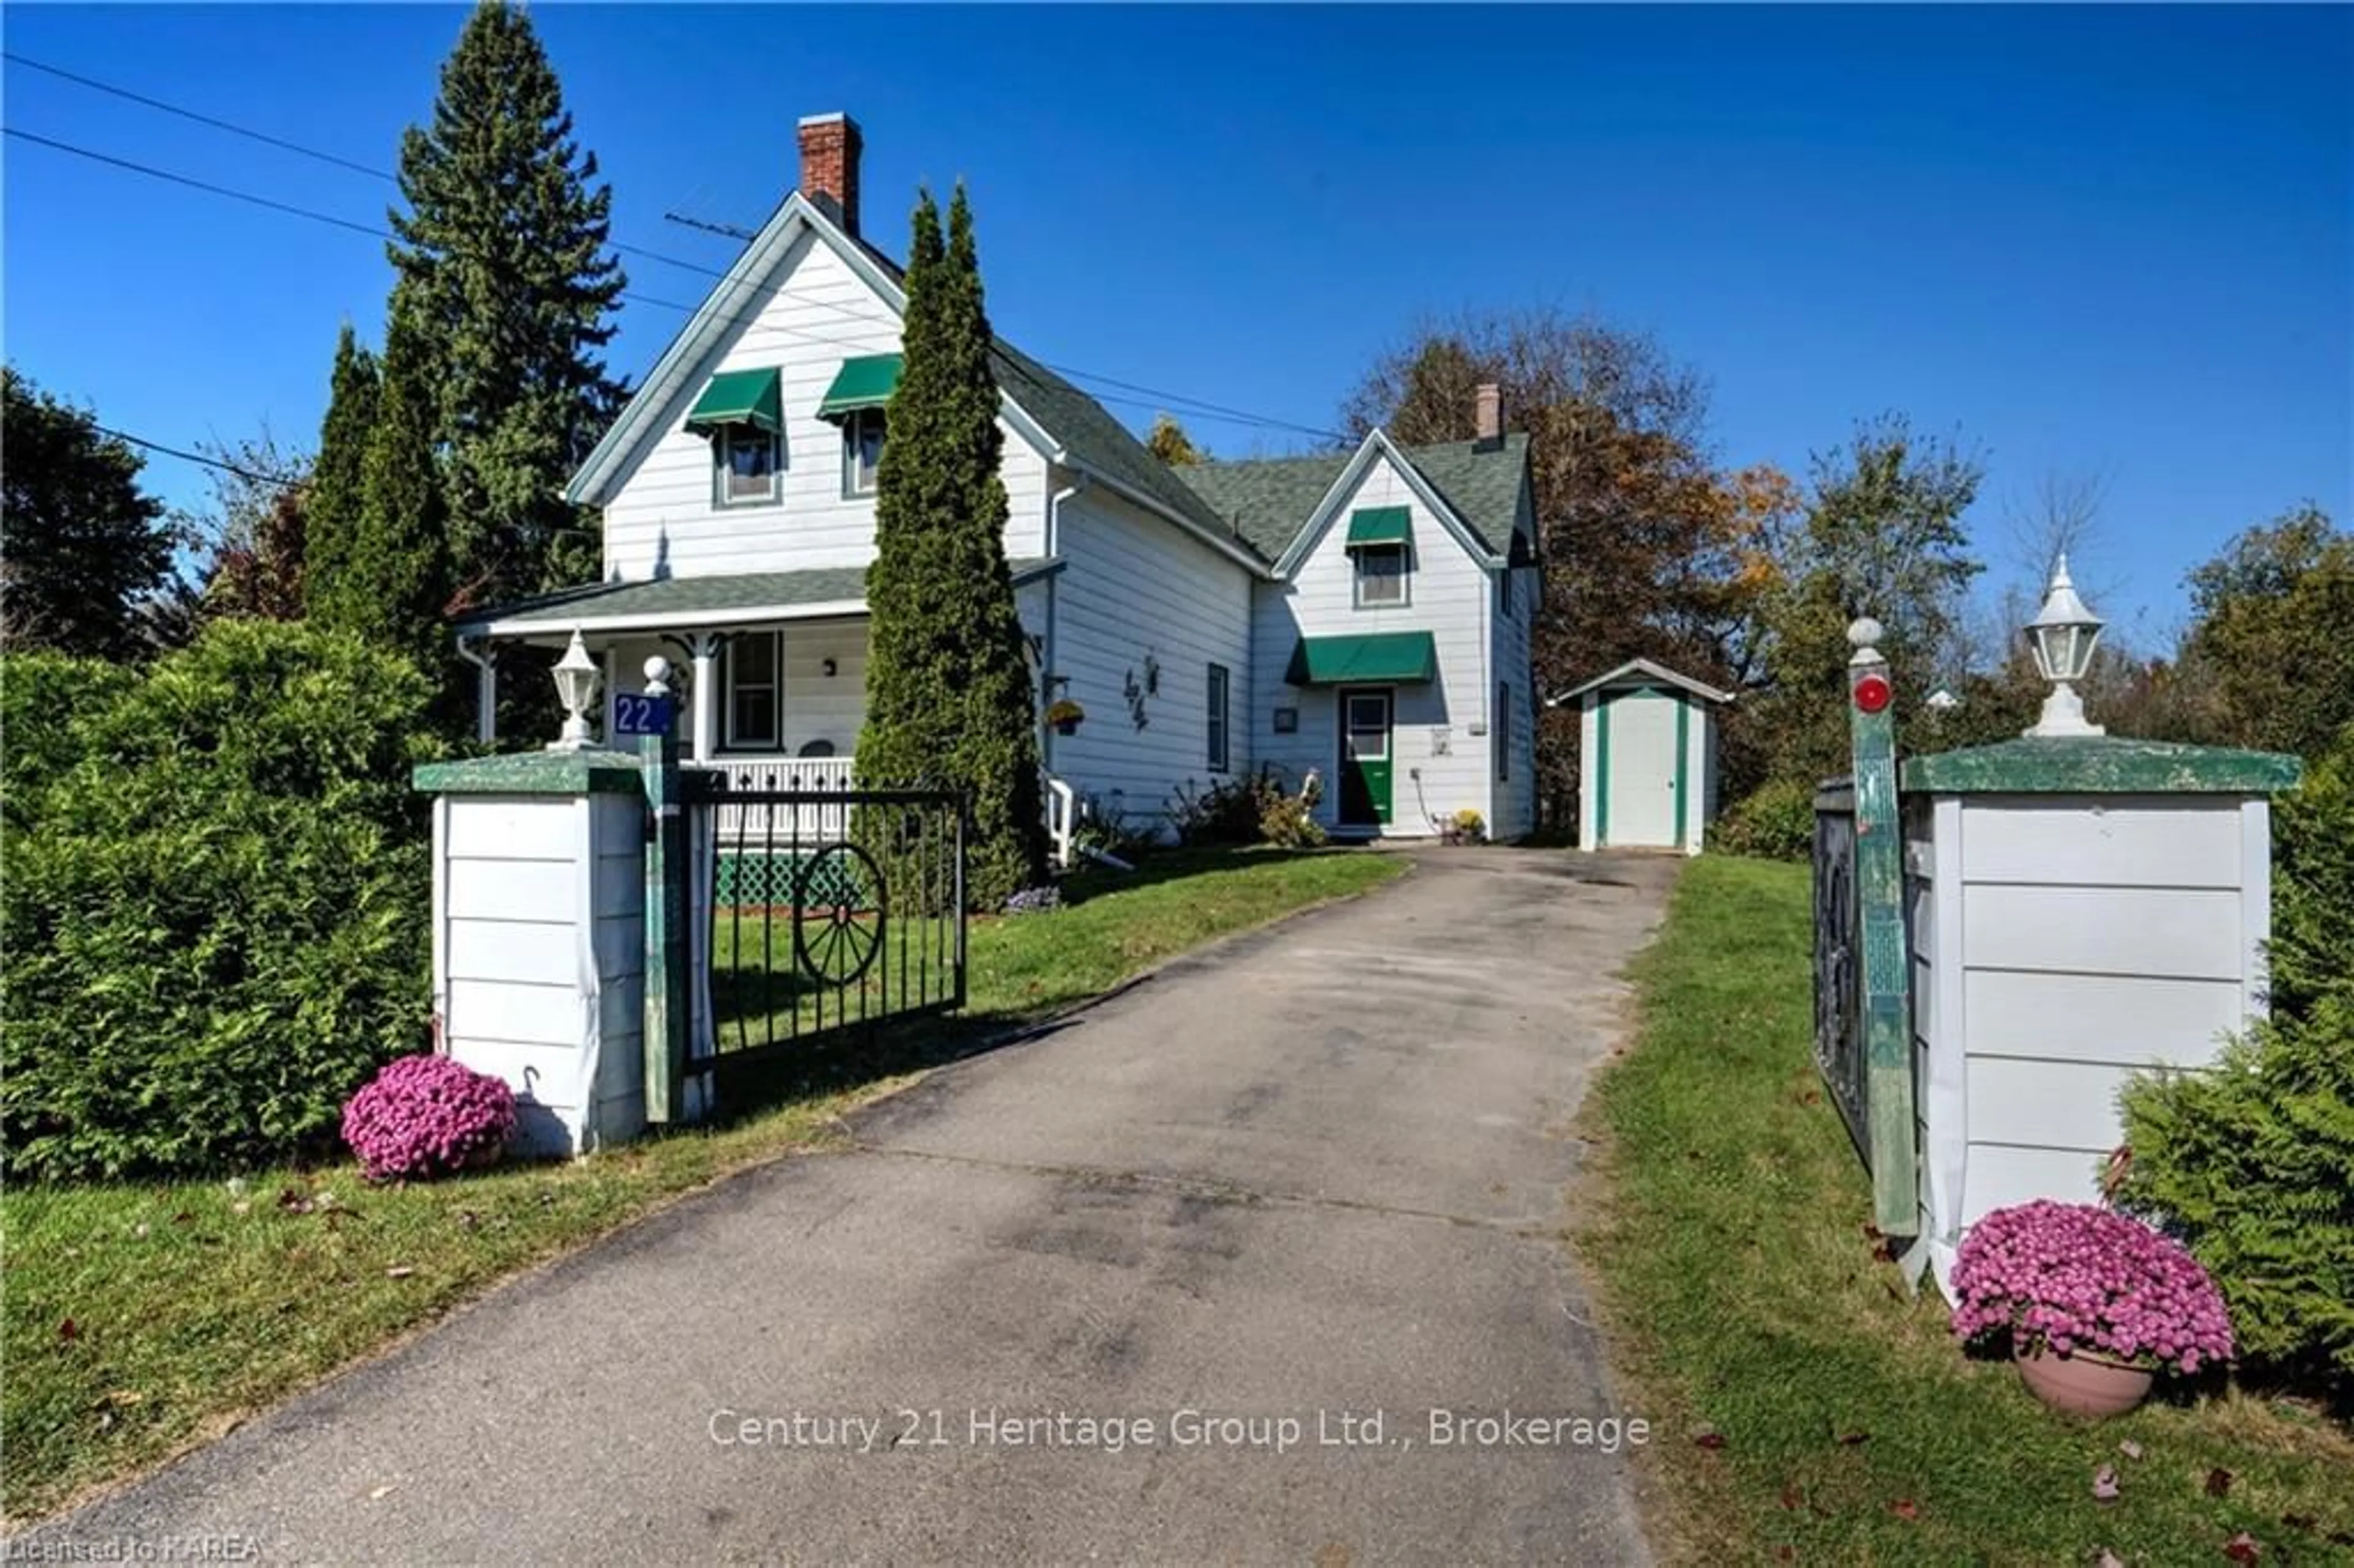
2095 1303
428 1115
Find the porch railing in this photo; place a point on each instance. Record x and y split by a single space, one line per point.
746 775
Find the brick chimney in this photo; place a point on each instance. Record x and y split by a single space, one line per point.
829 149
1487 412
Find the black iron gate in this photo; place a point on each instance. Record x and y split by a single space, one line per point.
1840 1048
817 914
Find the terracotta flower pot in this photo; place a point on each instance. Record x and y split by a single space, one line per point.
2081 1383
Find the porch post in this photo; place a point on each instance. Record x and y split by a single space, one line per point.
486 692
704 646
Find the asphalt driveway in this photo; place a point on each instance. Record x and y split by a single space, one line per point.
1258 1261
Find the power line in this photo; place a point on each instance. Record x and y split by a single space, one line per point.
1152 398
186 456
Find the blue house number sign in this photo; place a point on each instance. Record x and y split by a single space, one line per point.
634 714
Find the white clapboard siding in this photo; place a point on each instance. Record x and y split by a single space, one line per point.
2080 839
2001 1176
1452 596
817 314
548 1075
2103 930
2126 1020
517 1011
542 828
2045 1104
2073 940
1136 586
509 890
535 952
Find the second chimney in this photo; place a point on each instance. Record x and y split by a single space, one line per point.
829 149
1487 412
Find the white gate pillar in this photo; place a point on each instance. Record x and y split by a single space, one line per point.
538 936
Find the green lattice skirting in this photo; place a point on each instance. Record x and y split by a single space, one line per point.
774 880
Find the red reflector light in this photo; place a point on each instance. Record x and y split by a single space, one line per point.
1872 693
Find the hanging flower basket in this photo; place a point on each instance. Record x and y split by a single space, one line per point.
1065 716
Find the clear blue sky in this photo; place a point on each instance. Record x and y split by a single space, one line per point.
2102 239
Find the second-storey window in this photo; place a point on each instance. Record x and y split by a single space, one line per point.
862 451
1221 757
749 470
752 687
1380 576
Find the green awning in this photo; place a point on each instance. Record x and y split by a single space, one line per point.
1378 525
739 397
866 382
1372 656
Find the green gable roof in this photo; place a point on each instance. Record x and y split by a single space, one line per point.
1267 500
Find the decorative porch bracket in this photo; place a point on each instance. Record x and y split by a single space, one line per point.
666 955
1880 899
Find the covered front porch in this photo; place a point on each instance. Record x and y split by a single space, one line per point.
767 670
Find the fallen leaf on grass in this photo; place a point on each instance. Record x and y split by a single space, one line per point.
2241 1548
2104 1484
291 1200
399 1271
1784 1554
468 1219
2218 1484
1792 1496
2340 1538
139 1229
1906 1508
1712 1441
2300 1522
69 1331
1850 1439
243 1206
379 1493
2108 1559
120 1396
2129 1448
184 1218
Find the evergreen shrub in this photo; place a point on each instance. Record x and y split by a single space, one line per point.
215 924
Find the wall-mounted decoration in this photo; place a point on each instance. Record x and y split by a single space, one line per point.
1287 720
1442 740
1136 690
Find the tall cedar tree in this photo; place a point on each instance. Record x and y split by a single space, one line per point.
501 260
948 691
332 506
81 546
395 577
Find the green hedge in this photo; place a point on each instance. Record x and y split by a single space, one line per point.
216 916
2253 1161
1775 822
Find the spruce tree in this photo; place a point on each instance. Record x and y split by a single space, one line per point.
948 691
503 256
396 573
332 506
86 546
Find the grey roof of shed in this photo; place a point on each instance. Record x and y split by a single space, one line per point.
1642 670
1266 501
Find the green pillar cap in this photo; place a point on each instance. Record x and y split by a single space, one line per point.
2101 765
593 772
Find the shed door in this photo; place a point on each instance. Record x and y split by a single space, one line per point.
1641 792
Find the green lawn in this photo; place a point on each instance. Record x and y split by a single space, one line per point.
1812 1412
138 1318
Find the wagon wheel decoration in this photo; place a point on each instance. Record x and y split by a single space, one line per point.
837 914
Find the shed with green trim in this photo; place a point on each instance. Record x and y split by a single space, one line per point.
1647 757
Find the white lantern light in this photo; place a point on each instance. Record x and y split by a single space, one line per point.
576 680
2063 636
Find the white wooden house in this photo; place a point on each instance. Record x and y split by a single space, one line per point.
1364 614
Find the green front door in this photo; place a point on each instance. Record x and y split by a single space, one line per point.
1365 757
